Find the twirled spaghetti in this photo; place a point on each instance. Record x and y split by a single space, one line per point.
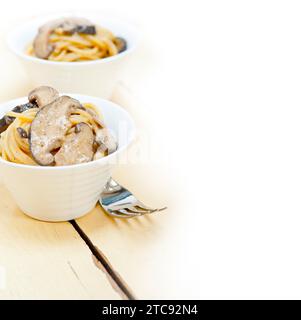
15 148
73 40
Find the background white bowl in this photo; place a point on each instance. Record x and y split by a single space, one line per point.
96 77
64 193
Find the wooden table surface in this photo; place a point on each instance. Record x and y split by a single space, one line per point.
51 261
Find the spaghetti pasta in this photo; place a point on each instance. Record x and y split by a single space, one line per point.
15 147
74 46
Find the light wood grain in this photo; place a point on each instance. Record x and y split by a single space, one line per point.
45 260
49 261
141 249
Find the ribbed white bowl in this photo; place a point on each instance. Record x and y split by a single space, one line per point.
64 193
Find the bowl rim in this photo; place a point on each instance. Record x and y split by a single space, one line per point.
28 23
101 161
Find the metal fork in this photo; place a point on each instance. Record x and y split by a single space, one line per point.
119 202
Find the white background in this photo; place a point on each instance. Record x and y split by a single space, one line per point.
219 84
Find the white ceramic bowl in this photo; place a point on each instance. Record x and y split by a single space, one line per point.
68 192
96 77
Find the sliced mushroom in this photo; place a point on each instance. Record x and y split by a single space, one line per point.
41 44
106 141
7 120
43 95
5 123
23 107
77 147
74 24
85 29
37 98
23 134
49 127
120 43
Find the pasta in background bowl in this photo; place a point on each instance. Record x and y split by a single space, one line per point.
74 39
61 193
87 75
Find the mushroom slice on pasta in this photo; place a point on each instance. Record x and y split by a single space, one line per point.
106 141
42 45
49 127
42 96
77 147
